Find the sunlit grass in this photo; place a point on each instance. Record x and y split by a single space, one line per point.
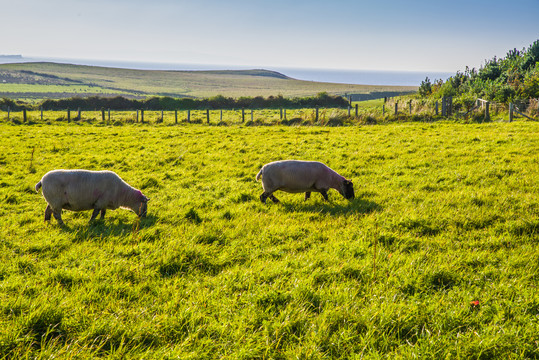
435 258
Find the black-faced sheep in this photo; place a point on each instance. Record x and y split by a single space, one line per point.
295 176
79 190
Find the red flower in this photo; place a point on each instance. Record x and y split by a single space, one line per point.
474 303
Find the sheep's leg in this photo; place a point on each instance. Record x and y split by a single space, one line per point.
103 211
58 217
48 213
324 194
94 214
307 195
266 195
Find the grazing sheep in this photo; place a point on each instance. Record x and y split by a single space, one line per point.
295 176
79 190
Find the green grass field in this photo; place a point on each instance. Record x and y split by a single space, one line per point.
52 80
436 258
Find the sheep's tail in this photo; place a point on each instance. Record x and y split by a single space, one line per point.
259 175
38 186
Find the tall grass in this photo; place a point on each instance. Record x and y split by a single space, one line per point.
435 258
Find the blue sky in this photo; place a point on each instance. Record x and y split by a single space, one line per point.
415 35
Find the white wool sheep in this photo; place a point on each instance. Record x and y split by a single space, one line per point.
79 190
295 176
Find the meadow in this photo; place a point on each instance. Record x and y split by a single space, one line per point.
436 257
54 80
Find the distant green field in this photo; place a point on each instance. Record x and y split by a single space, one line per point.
166 83
435 258
369 103
70 89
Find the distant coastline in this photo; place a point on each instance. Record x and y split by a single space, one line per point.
13 57
360 77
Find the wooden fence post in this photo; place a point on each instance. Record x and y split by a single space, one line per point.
487 114
162 116
221 116
443 106
68 115
384 110
137 115
142 116
208 116
349 109
281 113
79 115
410 105
252 115
242 115
24 118
8 111
188 116
357 107
285 114
103 114
316 117
511 107
396 108
436 107
109 115
41 110
175 116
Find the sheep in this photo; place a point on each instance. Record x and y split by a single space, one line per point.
79 190
295 176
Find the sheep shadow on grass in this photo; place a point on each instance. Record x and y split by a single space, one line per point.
356 206
109 227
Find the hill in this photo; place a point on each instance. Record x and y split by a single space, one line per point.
41 80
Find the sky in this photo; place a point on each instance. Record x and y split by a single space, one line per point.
388 35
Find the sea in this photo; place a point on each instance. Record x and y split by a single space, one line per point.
349 76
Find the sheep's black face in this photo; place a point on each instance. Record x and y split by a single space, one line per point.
348 189
143 208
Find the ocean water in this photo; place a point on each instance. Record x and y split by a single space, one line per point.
362 77
365 77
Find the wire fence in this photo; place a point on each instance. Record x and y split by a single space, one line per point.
392 109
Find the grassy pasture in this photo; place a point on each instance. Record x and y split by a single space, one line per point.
437 257
50 80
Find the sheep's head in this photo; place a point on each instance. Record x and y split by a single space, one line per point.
347 189
142 207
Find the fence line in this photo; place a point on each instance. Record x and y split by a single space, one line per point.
415 107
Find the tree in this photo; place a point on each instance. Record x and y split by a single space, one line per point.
426 87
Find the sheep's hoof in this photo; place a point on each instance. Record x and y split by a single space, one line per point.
274 199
